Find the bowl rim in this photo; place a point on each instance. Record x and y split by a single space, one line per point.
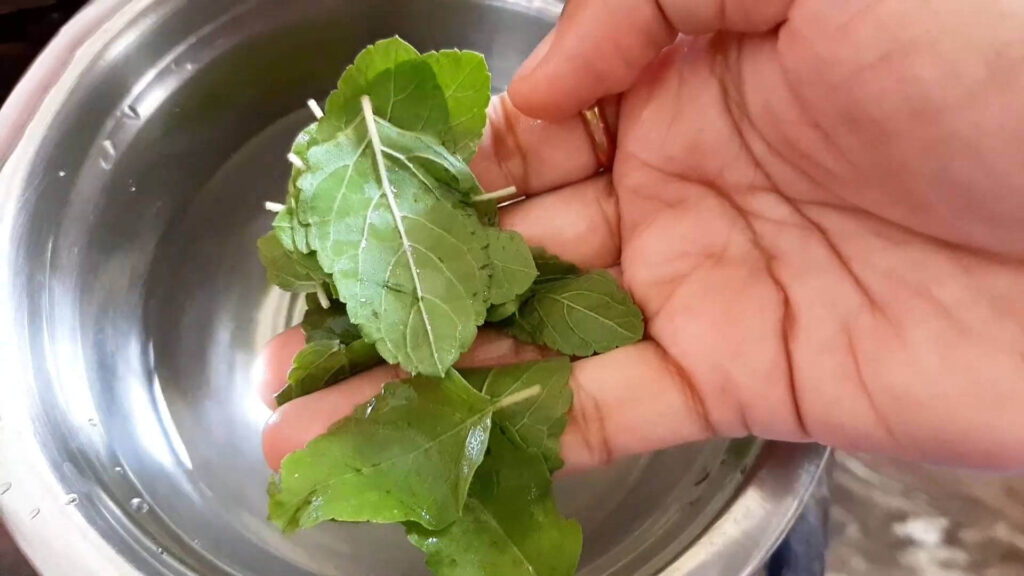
761 511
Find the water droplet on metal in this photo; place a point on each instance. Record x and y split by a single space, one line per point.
138 505
132 112
189 66
159 550
71 500
5 488
107 154
62 174
132 188
93 422
195 541
33 513
118 469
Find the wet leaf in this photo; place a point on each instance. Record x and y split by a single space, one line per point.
325 362
407 455
410 263
510 525
535 423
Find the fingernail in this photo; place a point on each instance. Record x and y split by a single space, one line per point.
536 56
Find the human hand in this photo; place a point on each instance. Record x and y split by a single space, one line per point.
823 222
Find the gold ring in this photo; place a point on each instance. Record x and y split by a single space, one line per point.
601 135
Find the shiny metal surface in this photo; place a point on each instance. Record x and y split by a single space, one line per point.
139 151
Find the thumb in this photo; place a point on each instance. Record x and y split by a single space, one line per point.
600 47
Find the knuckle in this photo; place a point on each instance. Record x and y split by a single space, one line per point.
505 142
587 417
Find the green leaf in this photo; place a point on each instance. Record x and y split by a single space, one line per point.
325 362
284 228
512 267
410 265
424 154
293 233
579 316
466 83
402 86
306 138
407 455
550 268
332 323
291 271
510 525
535 423
487 212
501 312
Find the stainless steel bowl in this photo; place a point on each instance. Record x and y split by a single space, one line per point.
139 150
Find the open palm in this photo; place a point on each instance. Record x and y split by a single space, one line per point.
823 222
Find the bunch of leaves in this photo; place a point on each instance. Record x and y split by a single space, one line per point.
464 463
395 246
382 199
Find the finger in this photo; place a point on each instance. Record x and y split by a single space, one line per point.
493 348
270 370
658 408
600 48
530 155
579 223
630 401
489 349
293 425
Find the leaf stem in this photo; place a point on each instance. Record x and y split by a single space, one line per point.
273 206
296 161
321 295
315 108
382 169
518 397
502 194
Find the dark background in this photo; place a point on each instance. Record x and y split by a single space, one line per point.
25 28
